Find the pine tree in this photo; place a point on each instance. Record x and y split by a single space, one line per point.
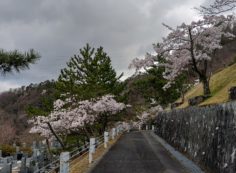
16 61
89 74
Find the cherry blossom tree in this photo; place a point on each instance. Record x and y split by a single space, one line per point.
69 117
219 6
191 47
105 107
149 114
60 122
139 64
144 117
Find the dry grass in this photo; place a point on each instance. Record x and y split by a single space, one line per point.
81 164
220 83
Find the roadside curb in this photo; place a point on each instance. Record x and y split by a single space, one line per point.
188 164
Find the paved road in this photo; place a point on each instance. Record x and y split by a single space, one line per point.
138 152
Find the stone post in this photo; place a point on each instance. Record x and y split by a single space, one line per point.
117 130
113 133
129 127
36 166
91 149
64 162
17 149
23 165
106 136
146 127
34 145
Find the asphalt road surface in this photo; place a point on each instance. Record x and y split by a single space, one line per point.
138 152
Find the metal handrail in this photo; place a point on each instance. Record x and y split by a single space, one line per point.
80 151
43 169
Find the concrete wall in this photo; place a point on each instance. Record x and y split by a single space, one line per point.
206 134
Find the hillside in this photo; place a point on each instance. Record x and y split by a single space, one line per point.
220 83
140 91
13 106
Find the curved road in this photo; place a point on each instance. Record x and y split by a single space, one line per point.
138 152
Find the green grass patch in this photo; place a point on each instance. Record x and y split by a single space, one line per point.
220 84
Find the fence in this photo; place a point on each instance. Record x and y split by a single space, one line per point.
62 164
206 134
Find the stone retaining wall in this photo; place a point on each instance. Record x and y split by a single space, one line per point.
206 134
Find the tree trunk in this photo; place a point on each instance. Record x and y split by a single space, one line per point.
104 123
56 136
91 131
182 91
206 87
201 73
182 97
86 133
49 149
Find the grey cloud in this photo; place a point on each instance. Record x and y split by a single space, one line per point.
58 28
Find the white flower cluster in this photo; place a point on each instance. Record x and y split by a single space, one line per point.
64 119
219 6
149 114
189 45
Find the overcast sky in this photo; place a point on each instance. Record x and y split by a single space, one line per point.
57 29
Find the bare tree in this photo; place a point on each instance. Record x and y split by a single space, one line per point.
7 132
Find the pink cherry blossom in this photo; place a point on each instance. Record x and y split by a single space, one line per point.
189 46
63 120
219 6
149 114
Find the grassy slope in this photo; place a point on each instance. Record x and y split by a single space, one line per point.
219 84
